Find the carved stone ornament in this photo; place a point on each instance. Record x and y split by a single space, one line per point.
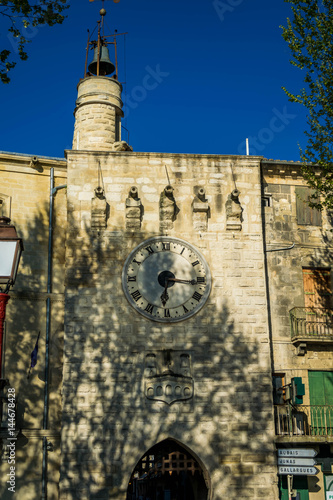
134 209
121 146
168 377
99 209
201 211
301 349
168 208
234 211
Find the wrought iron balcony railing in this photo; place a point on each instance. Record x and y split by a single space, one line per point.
311 323
303 420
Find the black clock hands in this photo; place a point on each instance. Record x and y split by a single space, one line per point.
190 282
165 296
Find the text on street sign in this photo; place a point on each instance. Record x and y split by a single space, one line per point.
297 462
297 452
298 471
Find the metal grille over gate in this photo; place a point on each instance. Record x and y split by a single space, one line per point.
167 472
176 461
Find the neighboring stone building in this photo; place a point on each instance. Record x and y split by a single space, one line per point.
161 285
34 307
301 320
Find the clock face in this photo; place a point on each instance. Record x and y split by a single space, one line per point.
166 279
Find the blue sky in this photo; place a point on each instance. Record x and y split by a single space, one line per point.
218 65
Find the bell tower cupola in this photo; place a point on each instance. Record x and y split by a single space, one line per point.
98 110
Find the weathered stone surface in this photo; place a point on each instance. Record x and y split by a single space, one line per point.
221 340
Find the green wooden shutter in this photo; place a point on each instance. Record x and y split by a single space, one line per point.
305 214
302 208
316 388
321 388
328 388
321 400
315 217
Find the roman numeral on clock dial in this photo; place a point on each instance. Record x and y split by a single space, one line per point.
136 295
196 296
167 313
149 308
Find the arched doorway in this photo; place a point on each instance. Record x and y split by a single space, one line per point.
167 472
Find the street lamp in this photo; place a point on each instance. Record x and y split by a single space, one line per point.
11 247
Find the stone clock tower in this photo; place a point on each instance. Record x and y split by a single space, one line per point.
167 385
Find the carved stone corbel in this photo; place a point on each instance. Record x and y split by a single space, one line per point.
168 209
121 146
301 349
201 211
134 209
99 210
234 211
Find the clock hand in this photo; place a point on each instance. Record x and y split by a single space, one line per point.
191 282
165 296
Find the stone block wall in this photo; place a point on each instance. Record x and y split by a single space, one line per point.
312 249
108 422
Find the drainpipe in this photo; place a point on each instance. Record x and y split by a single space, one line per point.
270 329
53 191
280 249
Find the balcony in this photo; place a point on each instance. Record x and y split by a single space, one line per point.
309 324
299 422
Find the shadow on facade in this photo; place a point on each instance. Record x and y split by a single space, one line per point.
26 316
108 423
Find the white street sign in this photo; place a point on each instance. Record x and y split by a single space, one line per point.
297 452
296 462
298 471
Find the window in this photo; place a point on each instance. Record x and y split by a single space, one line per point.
266 200
317 287
305 214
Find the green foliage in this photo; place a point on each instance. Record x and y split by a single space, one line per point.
309 35
20 15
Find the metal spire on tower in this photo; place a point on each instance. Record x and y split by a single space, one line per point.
101 64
